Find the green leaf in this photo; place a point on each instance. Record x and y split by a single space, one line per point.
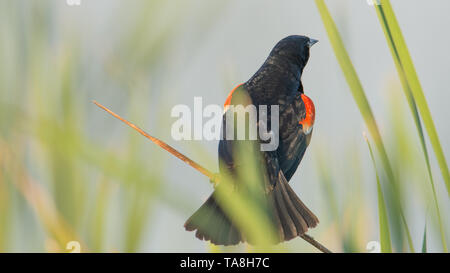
424 241
385 235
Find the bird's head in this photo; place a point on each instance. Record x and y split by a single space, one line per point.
282 70
293 49
292 53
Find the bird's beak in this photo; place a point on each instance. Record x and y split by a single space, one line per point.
312 42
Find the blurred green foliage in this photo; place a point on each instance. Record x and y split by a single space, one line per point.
66 174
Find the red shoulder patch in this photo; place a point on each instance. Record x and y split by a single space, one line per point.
230 95
308 122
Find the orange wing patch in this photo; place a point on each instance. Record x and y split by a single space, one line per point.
308 122
227 103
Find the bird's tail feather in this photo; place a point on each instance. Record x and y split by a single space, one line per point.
291 218
213 225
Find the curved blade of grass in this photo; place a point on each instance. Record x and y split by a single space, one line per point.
385 235
248 216
362 103
413 107
415 86
424 241
354 84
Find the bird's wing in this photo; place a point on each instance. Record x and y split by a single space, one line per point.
293 140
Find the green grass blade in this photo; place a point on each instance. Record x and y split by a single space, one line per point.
416 88
354 83
424 241
385 235
362 103
413 107
250 218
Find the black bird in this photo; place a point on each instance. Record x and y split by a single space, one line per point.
277 82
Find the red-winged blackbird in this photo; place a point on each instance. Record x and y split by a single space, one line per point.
277 82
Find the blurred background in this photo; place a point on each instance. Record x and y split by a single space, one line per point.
70 172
